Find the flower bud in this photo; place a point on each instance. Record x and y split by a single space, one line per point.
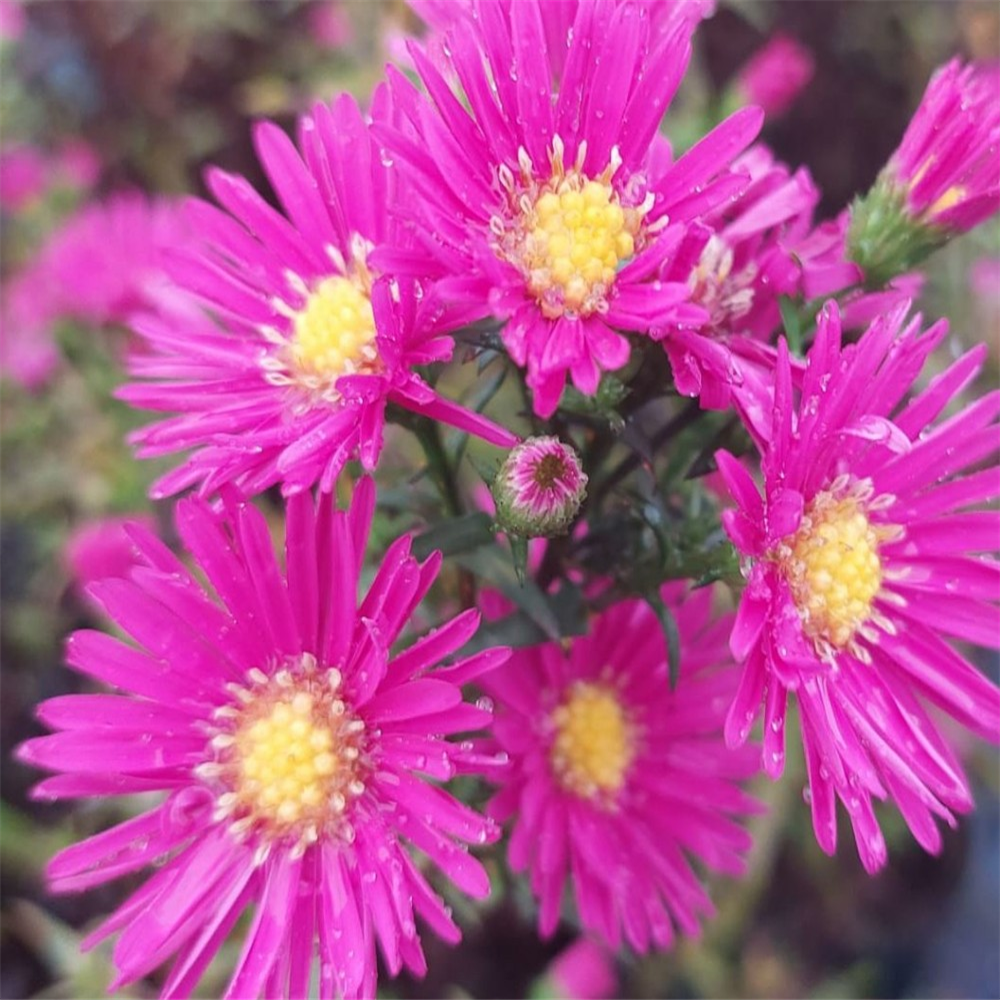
539 488
775 74
940 182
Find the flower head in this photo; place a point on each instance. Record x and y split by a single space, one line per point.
545 204
942 180
539 488
28 351
863 555
103 548
102 265
738 262
24 174
948 162
614 778
291 746
776 74
583 970
293 380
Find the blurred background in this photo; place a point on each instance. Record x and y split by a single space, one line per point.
99 97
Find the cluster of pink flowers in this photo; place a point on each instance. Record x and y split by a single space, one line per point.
525 183
103 265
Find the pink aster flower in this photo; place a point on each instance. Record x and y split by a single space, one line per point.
103 548
738 262
582 971
293 380
776 74
947 165
329 24
548 204
539 488
24 176
615 781
293 750
12 20
28 352
108 261
864 555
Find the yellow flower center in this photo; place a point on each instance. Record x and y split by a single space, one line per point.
593 744
833 567
285 758
288 755
567 235
578 236
334 332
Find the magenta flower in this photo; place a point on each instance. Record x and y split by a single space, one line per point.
329 24
546 204
102 265
24 173
776 74
103 548
583 970
293 749
107 262
737 264
862 557
295 380
947 165
539 488
28 352
614 779
12 20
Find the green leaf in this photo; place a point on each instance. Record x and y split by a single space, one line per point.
491 566
520 628
455 535
792 321
669 625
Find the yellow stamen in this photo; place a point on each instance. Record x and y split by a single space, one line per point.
593 744
569 235
334 332
833 567
290 757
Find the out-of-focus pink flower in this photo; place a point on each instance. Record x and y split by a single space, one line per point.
329 24
103 265
776 74
107 261
28 353
24 176
984 280
102 549
584 970
12 20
